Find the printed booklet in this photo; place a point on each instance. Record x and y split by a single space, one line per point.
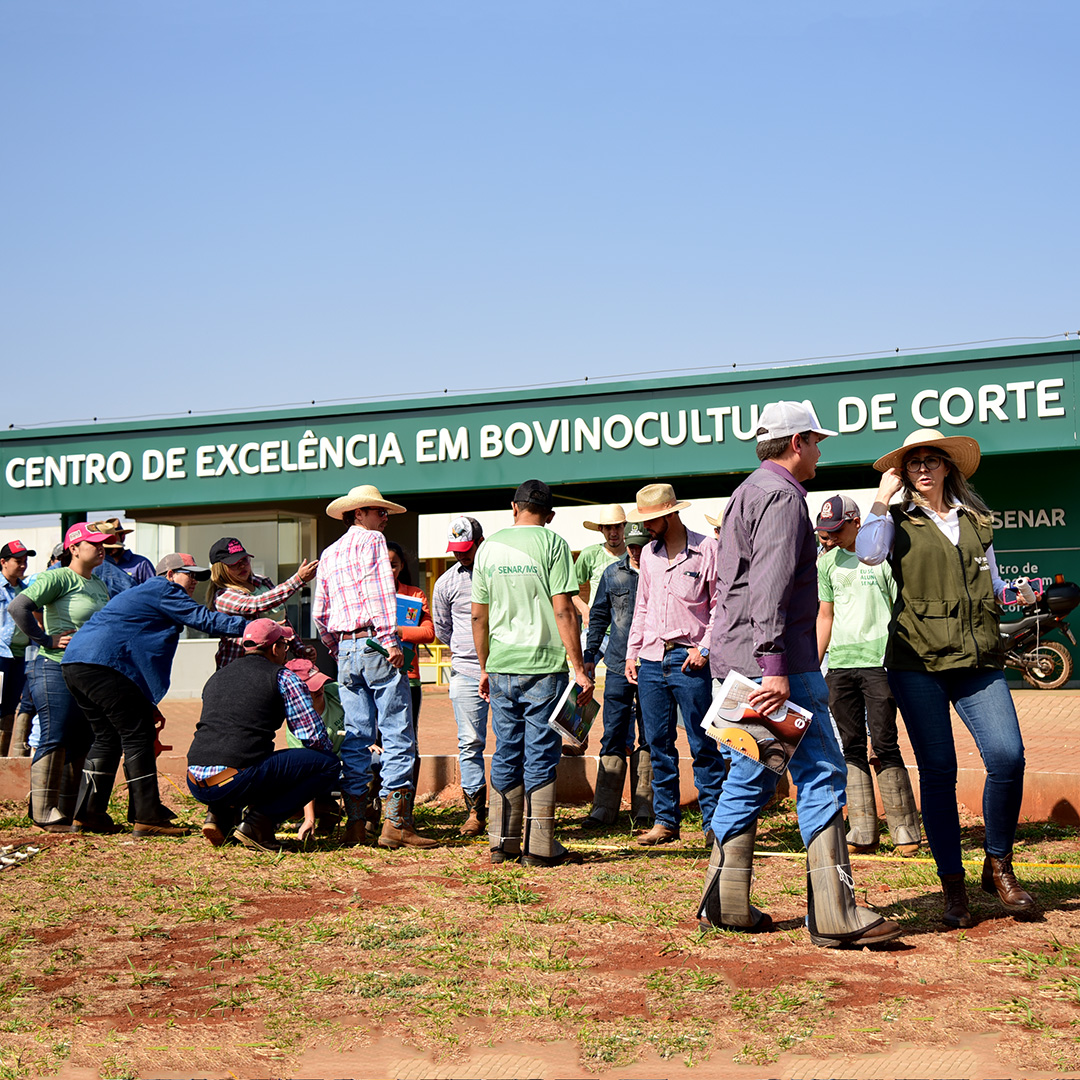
409 610
572 721
770 739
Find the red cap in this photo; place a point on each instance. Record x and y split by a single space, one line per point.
261 632
313 678
13 548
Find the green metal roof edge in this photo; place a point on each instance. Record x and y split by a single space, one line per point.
583 389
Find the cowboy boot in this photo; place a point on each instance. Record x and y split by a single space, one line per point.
862 835
505 823
373 803
6 725
476 805
957 914
399 829
140 769
218 824
833 916
998 878
607 799
725 904
258 832
541 848
46 776
641 805
20 732
900 811
95 790
356 821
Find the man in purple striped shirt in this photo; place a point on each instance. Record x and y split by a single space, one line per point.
765 629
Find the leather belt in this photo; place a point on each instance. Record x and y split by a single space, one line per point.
222 777
355 635
669 645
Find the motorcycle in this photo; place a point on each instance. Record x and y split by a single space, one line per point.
1046 665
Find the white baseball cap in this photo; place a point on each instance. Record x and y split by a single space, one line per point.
779 419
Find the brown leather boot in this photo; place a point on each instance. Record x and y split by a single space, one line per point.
658 834
399 830
998 877
476 822
356 825
957 914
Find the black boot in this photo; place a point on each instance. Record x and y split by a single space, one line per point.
957 914
95 790
218 824
145 801
258 832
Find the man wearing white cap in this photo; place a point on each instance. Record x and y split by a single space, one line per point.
765 628
670 632
355 600
593 560
451 611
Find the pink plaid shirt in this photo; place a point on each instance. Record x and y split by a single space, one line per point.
251 606
355 588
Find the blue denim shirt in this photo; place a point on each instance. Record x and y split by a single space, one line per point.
613 608
8 592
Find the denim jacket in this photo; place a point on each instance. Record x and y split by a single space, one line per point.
613 608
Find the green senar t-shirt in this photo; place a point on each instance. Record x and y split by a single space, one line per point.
590 566
862 597
68 600
517 572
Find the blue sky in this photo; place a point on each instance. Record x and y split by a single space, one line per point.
215 204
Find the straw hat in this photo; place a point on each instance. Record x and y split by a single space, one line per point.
111 527
962 450
714 521
655 501
364 495
613 514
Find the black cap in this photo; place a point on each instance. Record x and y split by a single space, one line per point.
228 550
535 492
14 548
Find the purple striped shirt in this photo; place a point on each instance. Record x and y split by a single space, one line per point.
766 615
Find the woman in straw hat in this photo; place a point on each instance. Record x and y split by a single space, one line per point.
945 647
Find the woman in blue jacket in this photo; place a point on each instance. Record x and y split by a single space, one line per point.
117 668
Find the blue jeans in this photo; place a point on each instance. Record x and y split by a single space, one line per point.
621 715
471 715
663 689
376 699
526 750
62 723
985 705
278 786
817 768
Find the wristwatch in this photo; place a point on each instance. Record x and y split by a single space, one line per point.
704 652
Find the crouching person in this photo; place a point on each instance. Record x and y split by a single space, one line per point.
232 763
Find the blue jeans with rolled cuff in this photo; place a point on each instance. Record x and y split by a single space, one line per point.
985 705
527 750
62 724
817 769
664 689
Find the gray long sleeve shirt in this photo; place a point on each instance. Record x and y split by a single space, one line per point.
766 615
451 611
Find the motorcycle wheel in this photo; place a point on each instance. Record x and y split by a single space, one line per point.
1052 666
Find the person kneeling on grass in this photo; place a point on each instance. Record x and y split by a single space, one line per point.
232 763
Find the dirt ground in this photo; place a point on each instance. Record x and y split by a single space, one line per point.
172 958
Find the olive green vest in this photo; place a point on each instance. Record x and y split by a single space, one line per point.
945 617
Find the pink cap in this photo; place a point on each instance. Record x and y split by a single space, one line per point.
82 531
260 632
313 678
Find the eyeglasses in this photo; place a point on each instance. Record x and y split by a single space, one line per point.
381 511
932 463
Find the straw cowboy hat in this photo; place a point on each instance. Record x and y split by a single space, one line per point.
655 501
613 514
364 495
111 527
961 450
714 521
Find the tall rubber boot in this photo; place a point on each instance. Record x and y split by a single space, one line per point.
20 733
95 790
541 847
46 777
833 916
607 798
145 799
725 904
862 824
900 812
505 822
6 725
70 782
356 820
476 804
399 829
641 804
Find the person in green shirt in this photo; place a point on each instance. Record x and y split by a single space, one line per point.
855 606
68 595
524 626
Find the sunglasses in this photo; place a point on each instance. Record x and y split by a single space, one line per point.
932 463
